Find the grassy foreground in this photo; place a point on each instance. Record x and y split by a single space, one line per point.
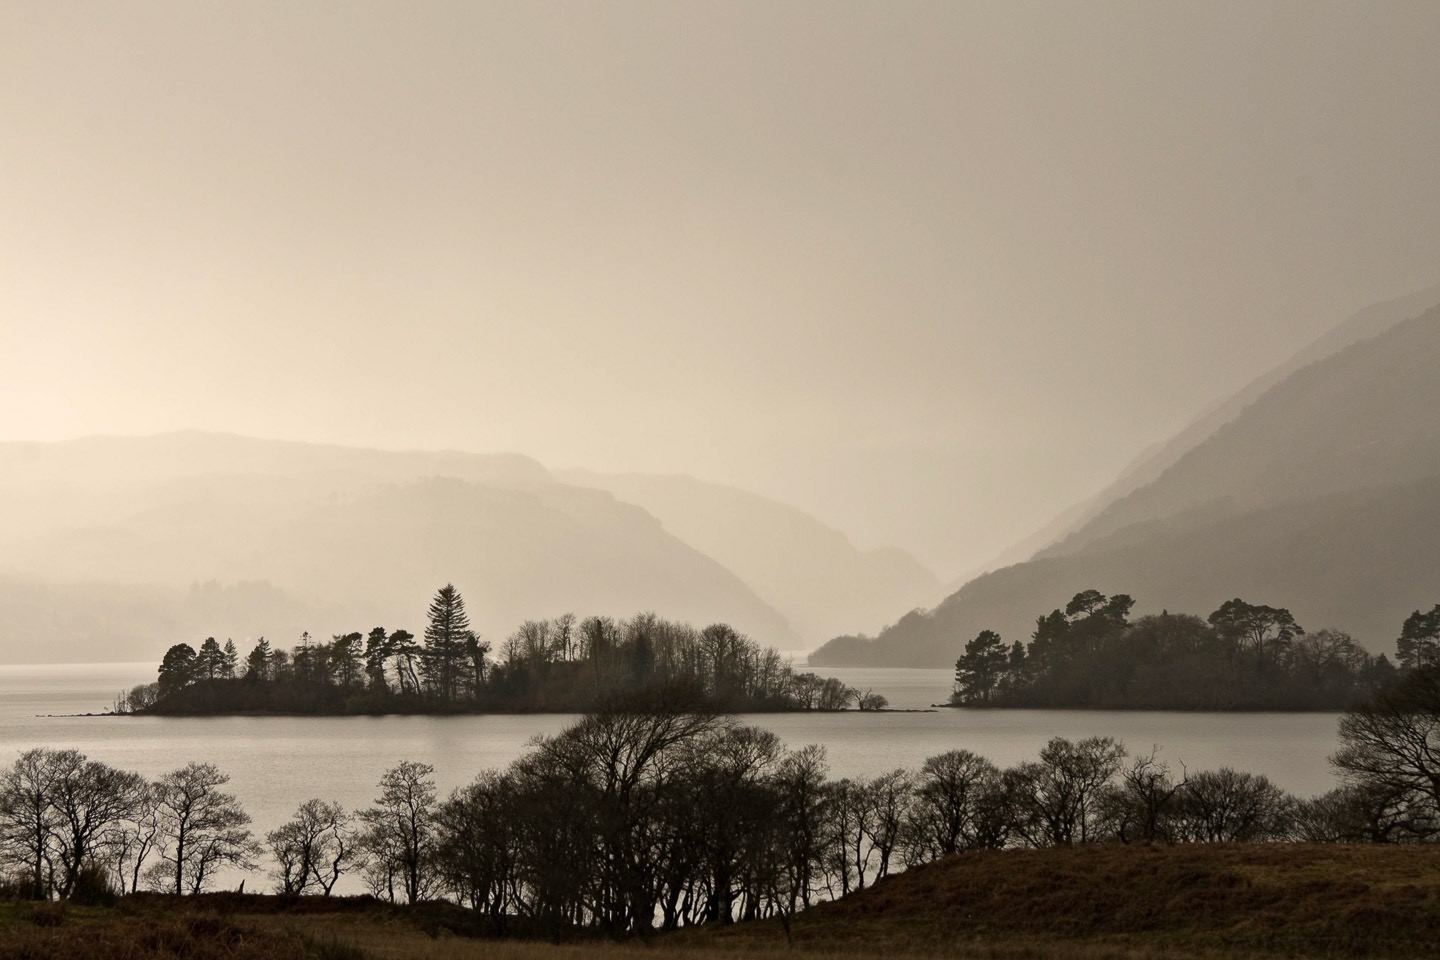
1092 903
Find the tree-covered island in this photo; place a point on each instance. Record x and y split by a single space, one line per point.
563 665
1243 656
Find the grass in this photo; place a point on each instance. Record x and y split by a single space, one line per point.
1091 903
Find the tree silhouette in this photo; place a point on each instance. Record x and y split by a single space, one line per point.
1419 643
1264 630
177 668
445 636
978 672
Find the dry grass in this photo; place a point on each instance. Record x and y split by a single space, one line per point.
1095 903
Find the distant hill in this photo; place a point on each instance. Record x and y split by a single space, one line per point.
1322 495
1160 457
811 572
114 548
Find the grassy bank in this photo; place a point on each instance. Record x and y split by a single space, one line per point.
1094 903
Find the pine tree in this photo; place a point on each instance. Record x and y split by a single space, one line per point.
445 637
257 664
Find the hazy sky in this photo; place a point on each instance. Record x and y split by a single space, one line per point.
930 270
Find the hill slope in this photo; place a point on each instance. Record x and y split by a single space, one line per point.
1148 467
1209 900
1322 496
805 569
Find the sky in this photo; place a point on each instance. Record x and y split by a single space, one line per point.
931 271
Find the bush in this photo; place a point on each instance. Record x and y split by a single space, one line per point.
93 887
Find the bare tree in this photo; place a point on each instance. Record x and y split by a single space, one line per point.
314 848
1391 745
130 846
200 829
92 802
1227 806
946 814
478 845
1060 794
399 831
28 819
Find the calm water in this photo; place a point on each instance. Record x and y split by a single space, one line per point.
276 763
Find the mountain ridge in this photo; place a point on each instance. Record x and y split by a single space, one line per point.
1315 497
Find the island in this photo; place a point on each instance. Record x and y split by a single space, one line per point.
560 665
1243 656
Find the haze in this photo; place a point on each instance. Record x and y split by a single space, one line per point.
930 271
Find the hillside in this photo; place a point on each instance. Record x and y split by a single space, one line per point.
1200 901
1318 497
809 571
1154 461
1222 900
112 549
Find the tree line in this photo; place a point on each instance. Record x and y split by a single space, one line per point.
563 664
648 815
1243 656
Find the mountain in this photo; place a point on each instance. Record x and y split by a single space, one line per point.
1160 457
809 571
1322 495
113 548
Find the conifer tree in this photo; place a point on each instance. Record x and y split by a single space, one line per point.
445 637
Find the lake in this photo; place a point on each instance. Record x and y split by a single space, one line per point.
276 763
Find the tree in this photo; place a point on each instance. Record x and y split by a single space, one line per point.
1227 806
1390 747
314 848
978 672
870 700
1143 806
406 653
801 782
129 847
258 663
199 828
1265 630
445 641
478 845
1419 643
1060 794
475 653
229 660
947 813
28 820
378 650
177 668
345 659
210 661
399 830
91 803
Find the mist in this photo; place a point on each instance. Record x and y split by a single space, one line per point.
931 272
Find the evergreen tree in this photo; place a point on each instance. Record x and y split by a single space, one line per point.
177 668
1265 630
258 663
378 649
445 642
210 661
1419 643
979 671
344 656
230 660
